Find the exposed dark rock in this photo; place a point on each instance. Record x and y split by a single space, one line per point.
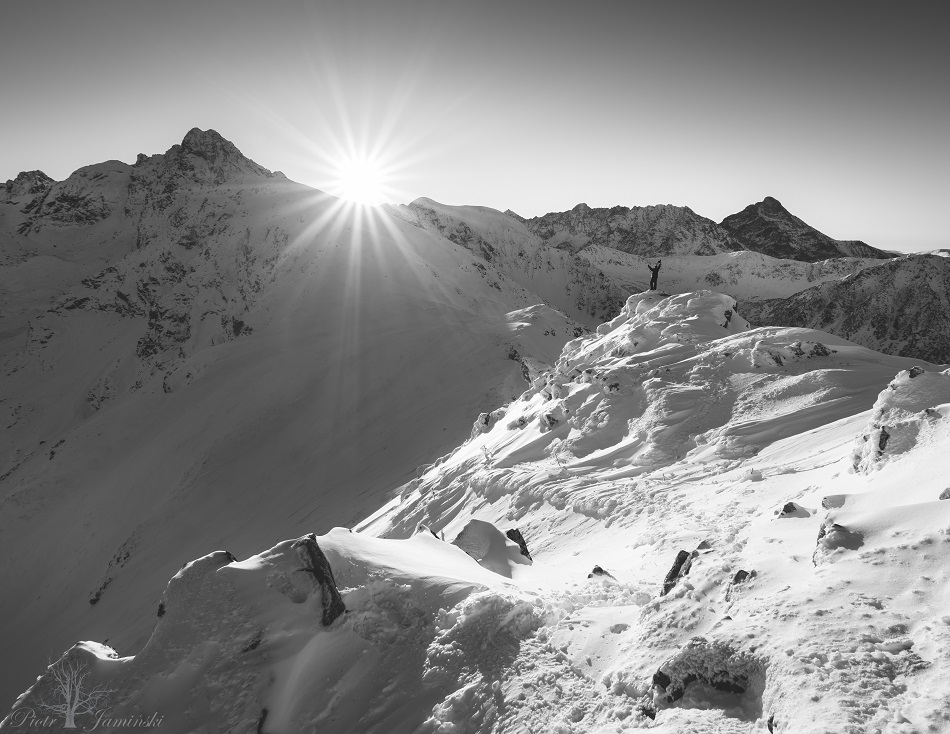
647 710
740 578
423 528
769 228
915 371
161 609
28 183
317 565
679 569
793 509
598 571
945 495
515 535
255 642
882 440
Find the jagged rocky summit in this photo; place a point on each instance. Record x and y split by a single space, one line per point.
643 230
769 228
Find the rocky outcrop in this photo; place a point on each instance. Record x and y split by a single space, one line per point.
27 184
769 228
912 402
681 566
316 564
515 535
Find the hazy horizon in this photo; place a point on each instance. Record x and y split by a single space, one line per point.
836 111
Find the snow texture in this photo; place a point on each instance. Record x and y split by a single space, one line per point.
199 354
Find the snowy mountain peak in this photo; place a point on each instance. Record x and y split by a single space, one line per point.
206 156
28 183
206 143
769 228
771 204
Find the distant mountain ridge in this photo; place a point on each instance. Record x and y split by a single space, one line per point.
899 305
769 228
641 230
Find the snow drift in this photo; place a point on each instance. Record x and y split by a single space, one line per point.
814 598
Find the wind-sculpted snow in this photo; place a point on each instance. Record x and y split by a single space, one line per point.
912 403
674 430
814 601
673 378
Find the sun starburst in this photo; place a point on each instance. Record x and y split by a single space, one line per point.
362 180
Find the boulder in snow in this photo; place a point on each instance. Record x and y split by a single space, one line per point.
490 547
793 509
680 568
832 536
741 577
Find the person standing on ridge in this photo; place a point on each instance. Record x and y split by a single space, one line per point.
655 271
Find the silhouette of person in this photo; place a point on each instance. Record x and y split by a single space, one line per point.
655 271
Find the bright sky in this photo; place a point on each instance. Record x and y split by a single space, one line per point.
839 110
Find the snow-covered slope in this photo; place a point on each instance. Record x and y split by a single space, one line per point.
768 227
808 590
901 306
746 275
588 282
570 284
225 358
649 231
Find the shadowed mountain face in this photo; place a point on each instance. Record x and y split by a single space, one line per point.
899 306
769 228
197 352
642 230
